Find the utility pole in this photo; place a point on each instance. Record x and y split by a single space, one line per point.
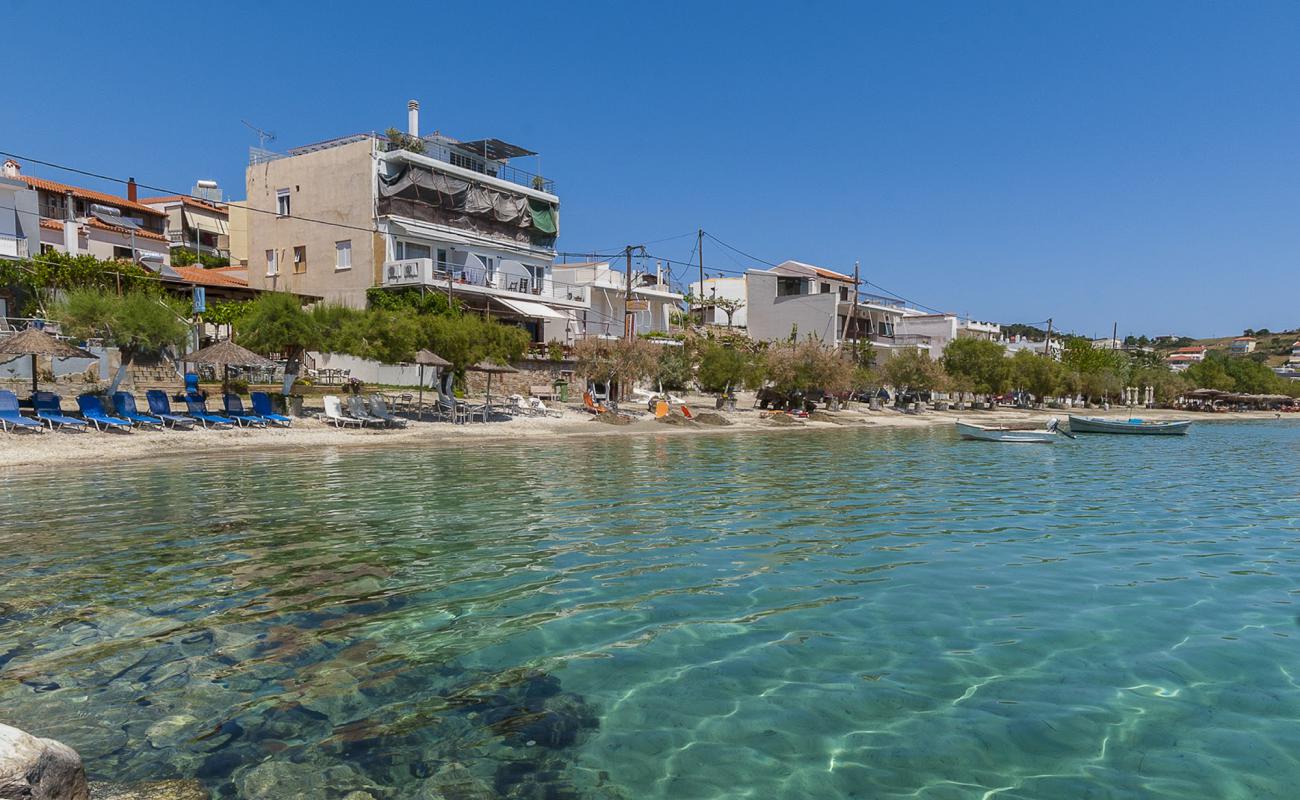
1114 332
853 315
627 302
699 245
1047 345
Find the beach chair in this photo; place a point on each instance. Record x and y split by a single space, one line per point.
661 409
49 409
447 408
198 410
124 404
192 385
234 406
589 404
11 418
380 409
92 408
357 410
161 408
262 408
686 412
334 413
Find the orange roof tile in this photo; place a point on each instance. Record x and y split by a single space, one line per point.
211 277
55 225
87 194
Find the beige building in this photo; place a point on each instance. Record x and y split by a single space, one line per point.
432 213
193 223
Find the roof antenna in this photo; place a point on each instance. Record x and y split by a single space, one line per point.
262 136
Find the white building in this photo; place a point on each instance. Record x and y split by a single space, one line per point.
1015 344
654 301
802 301
722 288
941 329
1242 345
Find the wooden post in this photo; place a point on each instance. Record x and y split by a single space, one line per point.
627 311
699 245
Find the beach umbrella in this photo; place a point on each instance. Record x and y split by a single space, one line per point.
491 369
227 354
36 342
426 358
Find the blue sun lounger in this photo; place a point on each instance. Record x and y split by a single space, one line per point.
161 408
49 409
124 404
10 417
262 408
92 408
199 411
235 410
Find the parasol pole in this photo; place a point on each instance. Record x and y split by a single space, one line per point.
420 411
33 374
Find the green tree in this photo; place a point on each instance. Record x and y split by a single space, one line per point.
913 370
1036 374
623 360
275 322
724 368
136 323
673 369
978 364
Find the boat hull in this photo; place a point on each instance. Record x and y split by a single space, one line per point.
1129 426
982 434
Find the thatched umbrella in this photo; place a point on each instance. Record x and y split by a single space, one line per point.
491 369
225 355
36 342
426 358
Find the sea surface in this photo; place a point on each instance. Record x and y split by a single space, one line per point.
844 614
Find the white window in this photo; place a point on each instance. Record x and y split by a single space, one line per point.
282 202
272 263
343 254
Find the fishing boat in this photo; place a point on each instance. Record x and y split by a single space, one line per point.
993 433
1148 427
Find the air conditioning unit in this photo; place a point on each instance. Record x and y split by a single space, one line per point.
408 272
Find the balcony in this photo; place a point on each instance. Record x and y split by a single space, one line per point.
12 247
441 149
505 281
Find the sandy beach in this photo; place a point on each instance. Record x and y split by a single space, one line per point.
69 447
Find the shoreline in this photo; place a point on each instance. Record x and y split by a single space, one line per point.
59 448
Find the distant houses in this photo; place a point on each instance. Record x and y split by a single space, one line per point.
1183 357
1242 345
942 329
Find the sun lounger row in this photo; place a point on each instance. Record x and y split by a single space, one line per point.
360 413
47 410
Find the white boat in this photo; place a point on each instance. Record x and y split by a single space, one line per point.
991 433
1147 427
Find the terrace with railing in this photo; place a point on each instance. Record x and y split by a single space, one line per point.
12 246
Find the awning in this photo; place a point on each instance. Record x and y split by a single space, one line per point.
425 231
529 309
212 225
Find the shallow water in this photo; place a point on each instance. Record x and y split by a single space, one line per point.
860 614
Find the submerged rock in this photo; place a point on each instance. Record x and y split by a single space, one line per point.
152 790
32 768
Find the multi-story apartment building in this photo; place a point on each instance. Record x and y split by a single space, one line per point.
804 301
195 223
341 217
653 299
941 329
83 221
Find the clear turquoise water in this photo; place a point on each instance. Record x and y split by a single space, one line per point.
823 615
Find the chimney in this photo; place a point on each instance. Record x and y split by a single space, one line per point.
413 118
13 169
130 189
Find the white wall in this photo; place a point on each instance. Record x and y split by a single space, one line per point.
375 372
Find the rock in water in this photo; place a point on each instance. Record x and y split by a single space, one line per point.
39 769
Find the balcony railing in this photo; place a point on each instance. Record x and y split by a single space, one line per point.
12 247
465 159
423 272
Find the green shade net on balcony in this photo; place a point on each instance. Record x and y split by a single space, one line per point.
543 216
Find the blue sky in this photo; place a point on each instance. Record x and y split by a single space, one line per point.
1093 162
